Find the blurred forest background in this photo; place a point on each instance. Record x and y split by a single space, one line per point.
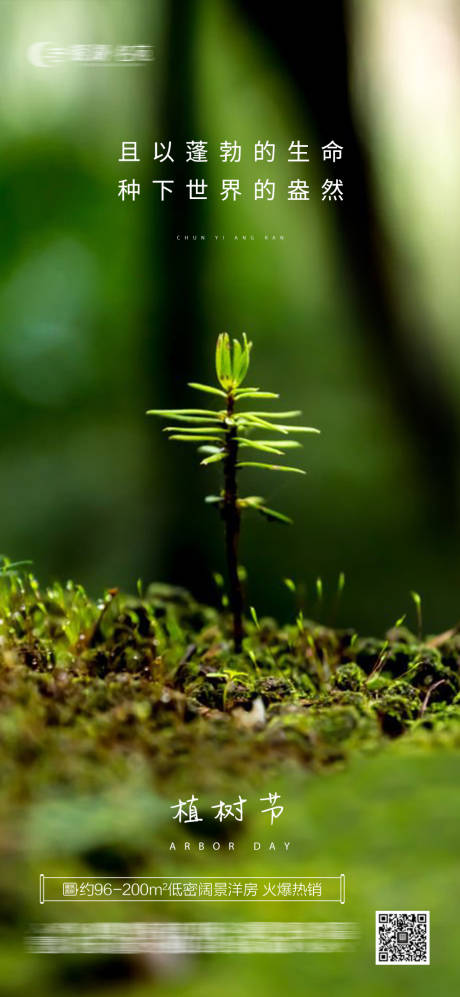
354 316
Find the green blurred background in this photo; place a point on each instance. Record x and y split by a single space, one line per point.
389 822
354 315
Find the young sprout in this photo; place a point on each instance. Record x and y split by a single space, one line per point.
255 618
418 609
319 590
228 435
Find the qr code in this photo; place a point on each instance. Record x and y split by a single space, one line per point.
402 937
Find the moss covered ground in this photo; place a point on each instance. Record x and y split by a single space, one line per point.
90 688
110 709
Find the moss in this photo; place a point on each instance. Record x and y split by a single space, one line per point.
396 656
91 690
327 734
349 677
274 689
396 712
427 670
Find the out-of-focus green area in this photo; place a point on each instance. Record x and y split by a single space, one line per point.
390 823
111 713
354 315
89 335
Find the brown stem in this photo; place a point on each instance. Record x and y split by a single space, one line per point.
231 516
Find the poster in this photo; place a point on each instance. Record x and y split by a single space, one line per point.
229 368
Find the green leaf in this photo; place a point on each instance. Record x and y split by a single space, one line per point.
213 458
214 500
185 414
187 429
254 393
240 369
206 387
180 411
274 415
254 420
270 467
224 360
208 449
193 439
219 355
257 503
219 347
274 514
250 501
256 445
297 429
286 444
197 420
236 360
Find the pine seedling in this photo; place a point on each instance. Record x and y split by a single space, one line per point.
232 437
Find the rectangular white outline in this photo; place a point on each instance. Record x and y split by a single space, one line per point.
42 899
406 962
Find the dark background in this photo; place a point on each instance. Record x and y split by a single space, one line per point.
354 315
